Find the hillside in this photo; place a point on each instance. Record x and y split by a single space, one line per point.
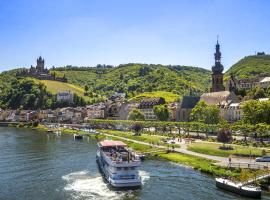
168 96
251 66
134 79
55 86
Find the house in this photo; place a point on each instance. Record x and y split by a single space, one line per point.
71 115
31 116
96 111
146 106
13 116
118 97
187 103
265 82
125 109
47 115
23 115
232 112
112 109
247 83
65 96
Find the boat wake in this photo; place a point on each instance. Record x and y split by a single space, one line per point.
144 175
84 186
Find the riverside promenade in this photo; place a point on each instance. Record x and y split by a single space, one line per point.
236 162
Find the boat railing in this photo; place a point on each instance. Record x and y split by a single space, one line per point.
117 159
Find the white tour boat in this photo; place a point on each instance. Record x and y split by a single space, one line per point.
238 188
118 164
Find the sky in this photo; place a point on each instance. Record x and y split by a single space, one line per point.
91 32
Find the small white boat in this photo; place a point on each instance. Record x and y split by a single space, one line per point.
118 164
238 188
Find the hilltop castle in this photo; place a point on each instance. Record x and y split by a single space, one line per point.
40 72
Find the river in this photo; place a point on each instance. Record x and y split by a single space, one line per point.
39 166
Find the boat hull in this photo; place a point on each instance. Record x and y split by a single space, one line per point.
134 183
239 190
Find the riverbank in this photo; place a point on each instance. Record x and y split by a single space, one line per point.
201 164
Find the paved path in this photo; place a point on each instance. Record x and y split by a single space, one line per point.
221 161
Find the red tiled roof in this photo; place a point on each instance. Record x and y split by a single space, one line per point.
112 143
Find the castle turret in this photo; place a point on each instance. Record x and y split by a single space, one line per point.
217 75
40 64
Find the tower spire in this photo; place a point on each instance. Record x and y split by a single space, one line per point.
217 75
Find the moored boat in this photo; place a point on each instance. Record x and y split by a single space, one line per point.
118 164
78 137
238 188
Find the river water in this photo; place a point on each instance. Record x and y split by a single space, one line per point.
36 165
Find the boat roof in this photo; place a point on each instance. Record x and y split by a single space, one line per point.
112 143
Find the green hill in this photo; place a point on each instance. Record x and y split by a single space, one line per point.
251 66
134 79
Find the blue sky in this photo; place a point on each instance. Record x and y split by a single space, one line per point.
89 32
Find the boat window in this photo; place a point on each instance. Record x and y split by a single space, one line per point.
132 168
125 168
119 168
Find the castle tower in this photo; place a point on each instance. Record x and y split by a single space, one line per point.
217 75
40 64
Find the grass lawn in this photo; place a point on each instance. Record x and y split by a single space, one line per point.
168 96
213 149
201 164
130 135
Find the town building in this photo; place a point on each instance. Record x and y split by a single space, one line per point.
71 115
217 75
96 111
112 109
187 103
232 112
126 108
146 106
227 102
220 99
47 116
118 97
65 96
234 84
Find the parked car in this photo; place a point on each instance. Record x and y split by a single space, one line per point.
263 159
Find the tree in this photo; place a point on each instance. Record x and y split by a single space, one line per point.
162 112
136 115
86 88
137 128
205 114
255 112
224 136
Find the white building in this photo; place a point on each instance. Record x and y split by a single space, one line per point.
232 112
265 82
65 96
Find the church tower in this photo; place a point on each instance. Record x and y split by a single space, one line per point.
40 64
217 75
